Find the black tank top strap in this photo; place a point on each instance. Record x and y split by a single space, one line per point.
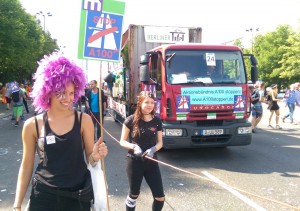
77 124
80 120
37 128
45 121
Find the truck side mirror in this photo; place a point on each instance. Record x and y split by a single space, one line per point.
144 59
253 60
254 74
144 73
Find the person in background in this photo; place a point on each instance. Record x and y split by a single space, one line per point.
251 89
273 106
78 105
106 94
106 90
291 102
84 99
297 85
213 72
297 118
3 93
25 98
257 110
28 90
17 95
7 96
60 135
144 131
93 105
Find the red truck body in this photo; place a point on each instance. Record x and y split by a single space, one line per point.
201 92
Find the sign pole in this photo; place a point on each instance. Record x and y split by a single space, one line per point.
100 35
102 134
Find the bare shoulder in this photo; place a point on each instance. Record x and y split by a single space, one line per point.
85 117
30 124
86 120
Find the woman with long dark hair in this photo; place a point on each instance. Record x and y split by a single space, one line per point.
273 106
144 131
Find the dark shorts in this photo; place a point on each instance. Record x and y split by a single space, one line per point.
42 200
8 99
257 110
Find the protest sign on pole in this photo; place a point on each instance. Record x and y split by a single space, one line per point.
101 30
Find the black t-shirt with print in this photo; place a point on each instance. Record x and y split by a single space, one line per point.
148 132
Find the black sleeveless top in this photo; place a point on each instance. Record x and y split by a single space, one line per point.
61 157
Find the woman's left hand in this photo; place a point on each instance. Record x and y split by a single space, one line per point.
99 149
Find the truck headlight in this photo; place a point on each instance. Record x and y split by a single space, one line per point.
244 130
172 132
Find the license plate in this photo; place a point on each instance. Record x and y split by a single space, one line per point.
212 132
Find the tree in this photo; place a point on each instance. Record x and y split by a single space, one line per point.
289 69
270 49
22 42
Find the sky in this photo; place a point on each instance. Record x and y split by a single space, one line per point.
221 21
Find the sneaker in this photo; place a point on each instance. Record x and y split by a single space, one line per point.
253 131
16 124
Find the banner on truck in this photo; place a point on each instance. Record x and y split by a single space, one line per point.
160 34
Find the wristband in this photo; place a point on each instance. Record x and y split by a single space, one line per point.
92 160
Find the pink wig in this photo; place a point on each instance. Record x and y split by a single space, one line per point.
54 73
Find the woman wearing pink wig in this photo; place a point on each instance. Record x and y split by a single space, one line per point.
60 135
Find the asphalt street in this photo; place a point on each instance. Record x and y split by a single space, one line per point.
254 162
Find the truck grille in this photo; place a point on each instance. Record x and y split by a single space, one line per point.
210 139
208 123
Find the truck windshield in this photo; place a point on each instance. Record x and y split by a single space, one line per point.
205 67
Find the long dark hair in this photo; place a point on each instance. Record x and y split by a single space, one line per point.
138 115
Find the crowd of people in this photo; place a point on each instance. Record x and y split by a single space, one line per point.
15 96
269 95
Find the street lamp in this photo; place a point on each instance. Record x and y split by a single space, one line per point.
44 16
61 48
252 31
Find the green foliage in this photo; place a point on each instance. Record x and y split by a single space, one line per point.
278 56
22 42
125 57
289 69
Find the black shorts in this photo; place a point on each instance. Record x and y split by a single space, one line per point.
8 100
42 200
137 169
